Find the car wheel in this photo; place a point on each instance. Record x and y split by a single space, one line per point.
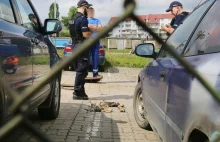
67 68
53 111
138 107
2 107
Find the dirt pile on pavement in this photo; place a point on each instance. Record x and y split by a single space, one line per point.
105 107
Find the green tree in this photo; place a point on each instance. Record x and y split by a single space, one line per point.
66 19
51 12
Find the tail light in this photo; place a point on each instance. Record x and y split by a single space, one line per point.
67 49
101 51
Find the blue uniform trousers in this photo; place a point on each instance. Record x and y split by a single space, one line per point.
94 52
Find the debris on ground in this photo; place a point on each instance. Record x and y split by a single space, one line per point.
105 107
121 108
67 86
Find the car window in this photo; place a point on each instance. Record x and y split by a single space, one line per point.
6 12
28 18
181 35
206 38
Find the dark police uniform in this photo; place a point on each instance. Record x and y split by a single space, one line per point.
177 20
78 25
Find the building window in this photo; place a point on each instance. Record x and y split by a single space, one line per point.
155 19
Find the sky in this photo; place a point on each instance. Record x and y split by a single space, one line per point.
105 9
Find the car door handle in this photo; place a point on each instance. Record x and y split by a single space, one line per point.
163 74
35 41
1 33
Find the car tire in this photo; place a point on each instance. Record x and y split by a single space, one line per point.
2 107
53 111
138 108
67 68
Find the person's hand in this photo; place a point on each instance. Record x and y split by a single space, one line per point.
164 28
168 26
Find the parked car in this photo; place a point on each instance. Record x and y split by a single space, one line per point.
169 99
60 43
26 55
68 52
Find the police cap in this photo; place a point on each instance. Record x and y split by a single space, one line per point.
173 4
83 3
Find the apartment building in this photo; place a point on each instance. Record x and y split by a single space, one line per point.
130 29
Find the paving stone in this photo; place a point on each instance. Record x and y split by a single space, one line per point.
76 124
79 134
60 127
72 139
83 140
96 134
101 140
51 132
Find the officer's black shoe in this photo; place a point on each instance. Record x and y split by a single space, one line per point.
80 96
77 96
85 97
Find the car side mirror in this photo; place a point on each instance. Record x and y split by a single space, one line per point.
52 26
145 50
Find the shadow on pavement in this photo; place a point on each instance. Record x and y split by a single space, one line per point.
117 82
75 123
114 97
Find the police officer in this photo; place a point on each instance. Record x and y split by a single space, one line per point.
176 9
33 19
79 31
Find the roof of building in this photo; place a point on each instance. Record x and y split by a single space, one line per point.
152 18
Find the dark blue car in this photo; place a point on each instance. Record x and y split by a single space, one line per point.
26 55
68 52
169 99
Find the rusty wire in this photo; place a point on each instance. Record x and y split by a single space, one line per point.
19 100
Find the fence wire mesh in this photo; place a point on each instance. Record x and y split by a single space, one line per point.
19 109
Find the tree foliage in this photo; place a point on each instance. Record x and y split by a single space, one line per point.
64 33
66 19
51 11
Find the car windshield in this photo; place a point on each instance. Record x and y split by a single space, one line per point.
179 38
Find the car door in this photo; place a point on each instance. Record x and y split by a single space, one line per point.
155 88
40 52
15 50
185 92
177 107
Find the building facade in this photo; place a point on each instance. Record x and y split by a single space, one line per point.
130 29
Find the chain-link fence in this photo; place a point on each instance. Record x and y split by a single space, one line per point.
19 108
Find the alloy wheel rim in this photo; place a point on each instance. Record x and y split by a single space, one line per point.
57 94
140 106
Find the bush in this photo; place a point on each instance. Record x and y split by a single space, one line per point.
64 33
125 60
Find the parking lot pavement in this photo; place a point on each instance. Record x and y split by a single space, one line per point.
76 123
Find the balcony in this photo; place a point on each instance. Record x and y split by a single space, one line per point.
129 33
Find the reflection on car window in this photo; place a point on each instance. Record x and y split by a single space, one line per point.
145 50
51 26
206 38
28 17
6 11
180 37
